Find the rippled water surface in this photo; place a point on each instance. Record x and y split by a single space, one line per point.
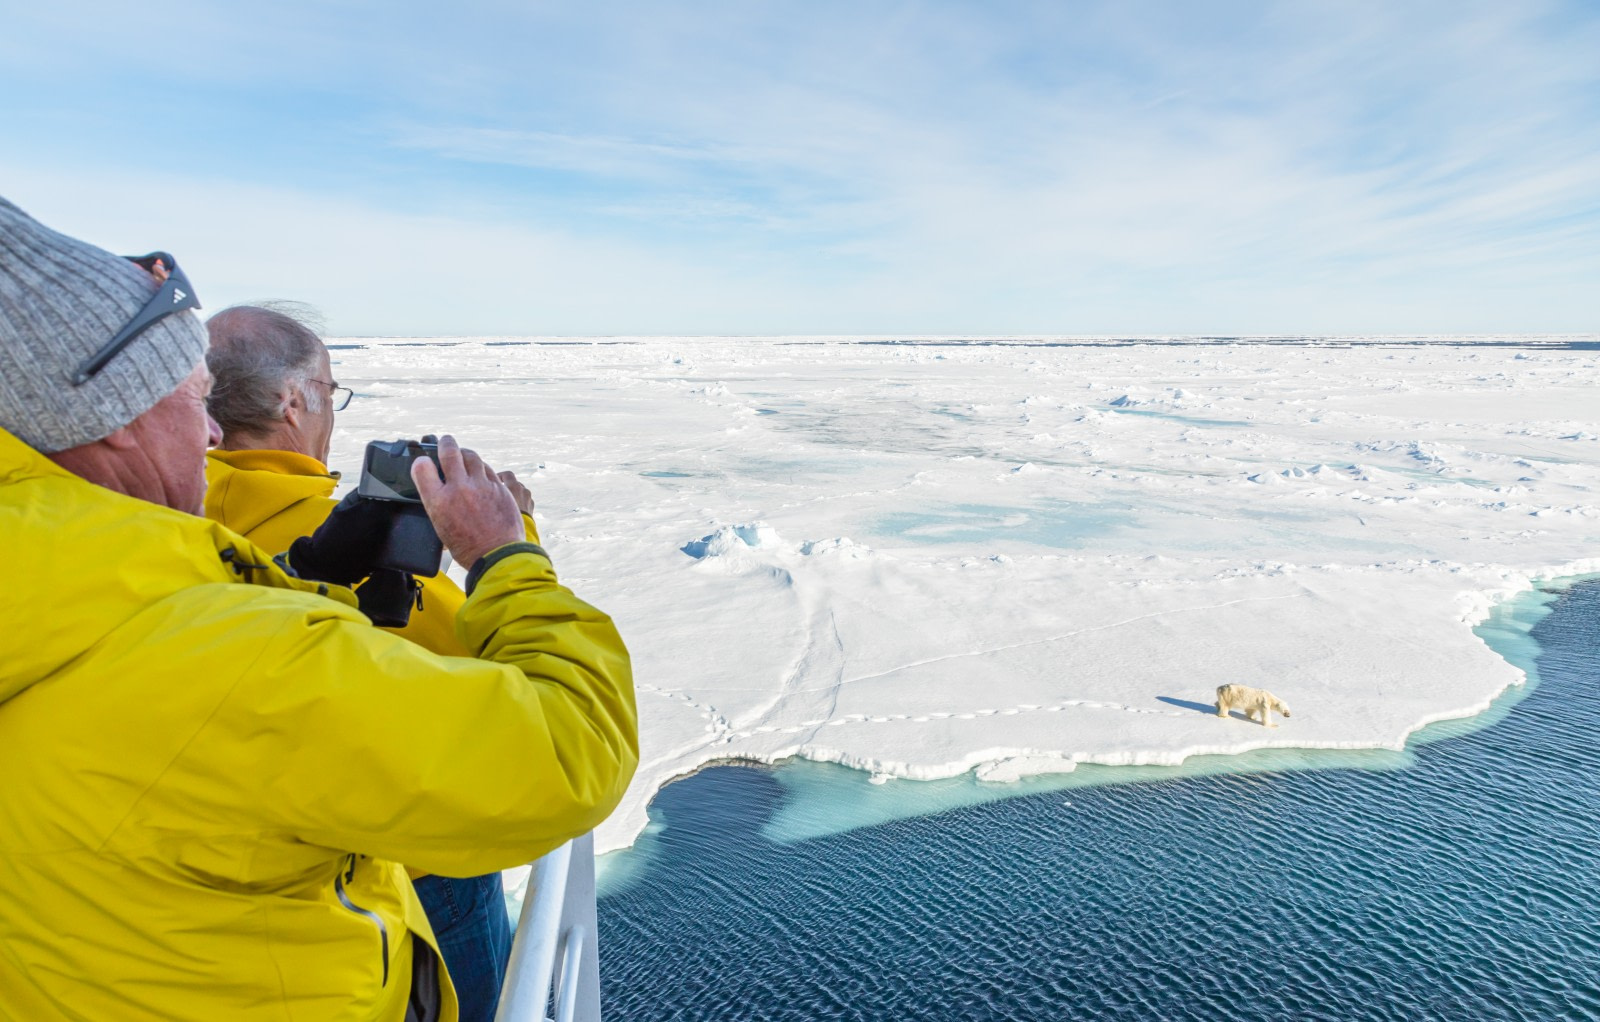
1464 885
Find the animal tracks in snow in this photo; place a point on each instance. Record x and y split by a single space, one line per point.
930 717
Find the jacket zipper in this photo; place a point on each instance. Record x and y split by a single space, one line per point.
339 880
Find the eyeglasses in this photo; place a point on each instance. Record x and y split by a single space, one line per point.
339 403
174 295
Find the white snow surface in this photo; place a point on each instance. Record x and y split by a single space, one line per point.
921 560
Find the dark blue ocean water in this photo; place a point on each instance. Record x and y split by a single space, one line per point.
1463 885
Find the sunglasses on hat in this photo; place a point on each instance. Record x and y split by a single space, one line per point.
174 295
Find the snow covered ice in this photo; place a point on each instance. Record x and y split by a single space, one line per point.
926 559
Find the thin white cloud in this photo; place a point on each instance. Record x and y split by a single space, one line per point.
592 154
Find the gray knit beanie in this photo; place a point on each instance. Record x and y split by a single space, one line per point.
60 300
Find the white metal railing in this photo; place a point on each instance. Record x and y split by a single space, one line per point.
555 954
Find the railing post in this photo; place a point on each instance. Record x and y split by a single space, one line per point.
556 931
581 925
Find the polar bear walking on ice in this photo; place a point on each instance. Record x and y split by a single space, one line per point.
1255 702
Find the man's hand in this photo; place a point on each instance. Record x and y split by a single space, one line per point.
471 509
523 495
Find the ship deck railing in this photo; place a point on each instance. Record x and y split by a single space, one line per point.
554 974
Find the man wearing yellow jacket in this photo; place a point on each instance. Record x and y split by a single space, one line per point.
274 395
213 769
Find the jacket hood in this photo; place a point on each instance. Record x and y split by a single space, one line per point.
90 559
247 488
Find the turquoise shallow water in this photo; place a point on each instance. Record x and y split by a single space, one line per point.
1459 879
1063 524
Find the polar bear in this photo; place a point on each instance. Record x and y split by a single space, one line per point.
1253 701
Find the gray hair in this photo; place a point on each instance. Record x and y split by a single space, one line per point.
257 351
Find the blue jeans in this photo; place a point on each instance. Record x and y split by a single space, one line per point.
474 933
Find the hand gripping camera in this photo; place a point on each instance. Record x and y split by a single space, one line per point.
410 546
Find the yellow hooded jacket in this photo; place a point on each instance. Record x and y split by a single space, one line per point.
211 769
273 498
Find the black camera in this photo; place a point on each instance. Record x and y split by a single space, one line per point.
386 469
410 545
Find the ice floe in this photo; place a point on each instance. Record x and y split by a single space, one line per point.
1007 559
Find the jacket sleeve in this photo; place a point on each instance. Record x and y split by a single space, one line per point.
451 765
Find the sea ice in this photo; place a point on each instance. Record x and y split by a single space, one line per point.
1005 560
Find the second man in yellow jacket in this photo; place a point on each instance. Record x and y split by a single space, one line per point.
275 398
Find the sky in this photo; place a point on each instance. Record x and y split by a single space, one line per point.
909 168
